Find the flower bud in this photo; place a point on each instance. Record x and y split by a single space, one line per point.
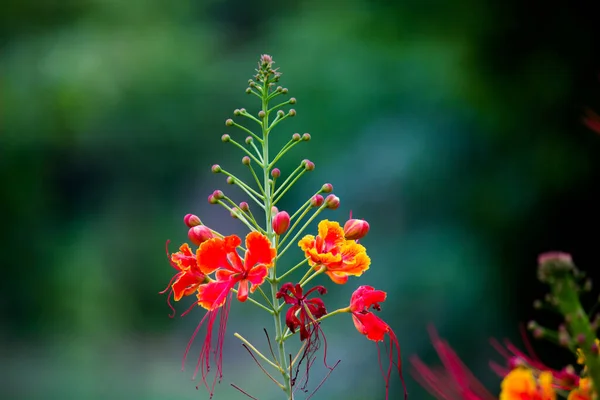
237 112
191 220
234 214
292 100
279 89
212 199
230 180
243 110
317 200
327 188
261 114
284 91
218 195
332 202
229 122
274 210
216 168
308 165
200 234
246 160
248 90
292 113
244 206
275 173
225 138
306 137
249 140
281 222
280 113
355 229
296 137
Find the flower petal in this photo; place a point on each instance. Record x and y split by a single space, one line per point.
242 294
257 276
212 254
259 250
186 284
213 294
371 326
331 233
337 277
184 258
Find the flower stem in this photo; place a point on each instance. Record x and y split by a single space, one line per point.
287 383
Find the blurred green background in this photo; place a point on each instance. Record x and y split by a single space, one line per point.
454 128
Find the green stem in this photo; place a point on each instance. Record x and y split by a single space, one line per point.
302 230
242 127
285 149
280 278
257 180
310 278
272 238
255 350
291 229
245 150
287 179
240 215
280 196
331 314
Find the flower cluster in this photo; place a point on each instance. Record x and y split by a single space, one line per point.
525 377
220 269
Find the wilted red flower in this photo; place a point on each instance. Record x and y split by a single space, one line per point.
303 314
189 276
220 255
592 120
331 251
374 328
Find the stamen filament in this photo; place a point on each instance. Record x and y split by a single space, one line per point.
255 350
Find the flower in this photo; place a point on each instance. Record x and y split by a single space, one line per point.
333 254
520 384
281 222
583 392
452 382
374 328
189 276
308 310
304 314
219 254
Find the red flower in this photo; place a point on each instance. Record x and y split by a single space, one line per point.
309 310
219 255
303 315
592 120
374 328
188 279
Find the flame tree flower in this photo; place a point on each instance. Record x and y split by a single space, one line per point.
330 252
223 267
374 328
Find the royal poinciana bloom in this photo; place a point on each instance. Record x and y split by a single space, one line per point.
221 268
332 253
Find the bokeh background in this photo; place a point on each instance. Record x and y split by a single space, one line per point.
454 128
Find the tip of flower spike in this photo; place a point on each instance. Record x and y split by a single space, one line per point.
306 137
317 200
275 173
555 263
225 138
229 122
296 137
216 168
191 220
332 202
246 160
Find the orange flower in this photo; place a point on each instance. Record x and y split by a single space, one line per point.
330 250
188 279
520 384
219 255
374 328
584 392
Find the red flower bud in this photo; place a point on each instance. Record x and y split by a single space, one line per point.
244 206
296 137
216 168
306 137
281 222
274 210
225 138
332 201
308 165
246 160
317 200
275 173
327 188
212 199
191 220
355 229
218 195
200 234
